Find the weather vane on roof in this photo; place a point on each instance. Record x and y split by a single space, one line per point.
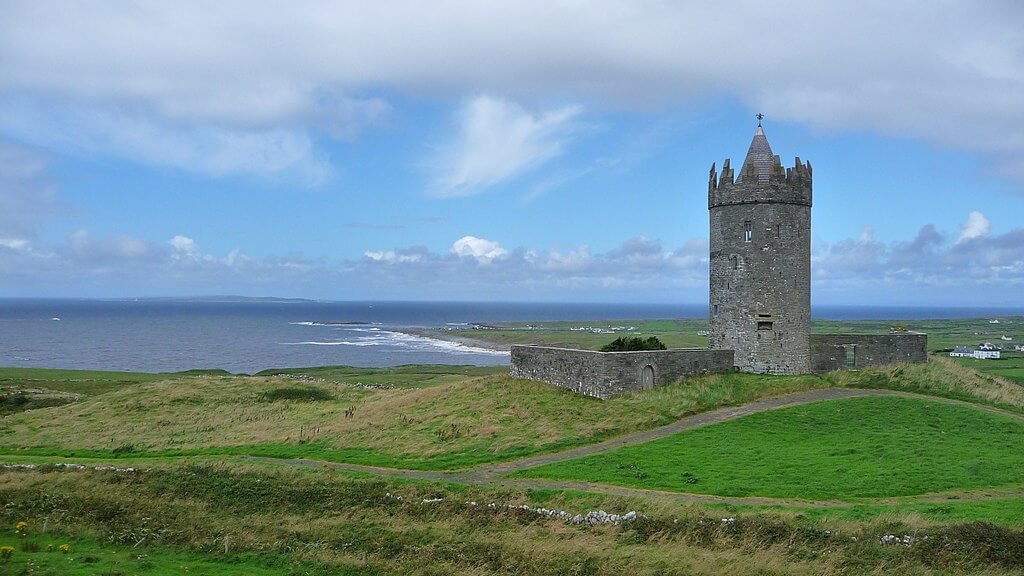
759 118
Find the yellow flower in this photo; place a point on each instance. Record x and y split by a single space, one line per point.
49 547
65 548
21 529
6 552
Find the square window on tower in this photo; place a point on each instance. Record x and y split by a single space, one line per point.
748 231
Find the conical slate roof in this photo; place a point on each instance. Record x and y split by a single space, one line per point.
759 155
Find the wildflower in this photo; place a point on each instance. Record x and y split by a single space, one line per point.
21 529
49 547
65 548
6 552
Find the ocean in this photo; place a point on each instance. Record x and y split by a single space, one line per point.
246 337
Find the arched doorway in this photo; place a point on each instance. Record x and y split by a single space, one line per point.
647 378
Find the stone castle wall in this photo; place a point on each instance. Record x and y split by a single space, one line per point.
606 374
760 260
853 351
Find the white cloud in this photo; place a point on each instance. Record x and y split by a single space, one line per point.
950 73
498 140
211 149
14 243
925 269
82 246
483 251
975 226
184 245
928 269
393 255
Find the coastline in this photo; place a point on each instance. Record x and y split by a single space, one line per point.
452 336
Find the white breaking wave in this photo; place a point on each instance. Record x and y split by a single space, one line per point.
405 342
314 343
329 324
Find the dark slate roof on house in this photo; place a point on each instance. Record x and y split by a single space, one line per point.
760 156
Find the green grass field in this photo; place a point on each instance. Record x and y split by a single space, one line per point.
436 417
851 448
195 507
92 557
685 333
1010 366
212 519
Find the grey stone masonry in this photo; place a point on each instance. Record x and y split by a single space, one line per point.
853 351
760 280
606 374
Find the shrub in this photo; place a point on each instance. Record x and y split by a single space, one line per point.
633 343
300 394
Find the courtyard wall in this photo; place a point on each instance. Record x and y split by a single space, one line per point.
606 374
854 351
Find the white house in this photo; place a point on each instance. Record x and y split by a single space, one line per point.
978 353
1019 348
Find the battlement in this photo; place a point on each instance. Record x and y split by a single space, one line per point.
766 182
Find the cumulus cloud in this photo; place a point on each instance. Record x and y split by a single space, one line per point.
498 140
216 75
975 226
481 250
414 254
930 268
926 268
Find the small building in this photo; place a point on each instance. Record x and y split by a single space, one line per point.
988 346
979 353
1019 348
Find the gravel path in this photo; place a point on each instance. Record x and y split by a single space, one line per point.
493 475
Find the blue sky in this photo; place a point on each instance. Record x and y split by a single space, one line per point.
531 151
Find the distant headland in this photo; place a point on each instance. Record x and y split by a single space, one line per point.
216 299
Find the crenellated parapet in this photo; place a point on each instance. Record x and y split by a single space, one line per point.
779 186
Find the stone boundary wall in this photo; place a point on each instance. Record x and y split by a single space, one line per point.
830 351
606 374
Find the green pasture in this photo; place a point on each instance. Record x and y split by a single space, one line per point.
850 448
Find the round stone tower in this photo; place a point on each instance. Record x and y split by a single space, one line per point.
761 262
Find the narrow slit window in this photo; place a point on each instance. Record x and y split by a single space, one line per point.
715 309
748 231
735 261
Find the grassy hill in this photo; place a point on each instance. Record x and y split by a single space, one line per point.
848 473
451 424
428 418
